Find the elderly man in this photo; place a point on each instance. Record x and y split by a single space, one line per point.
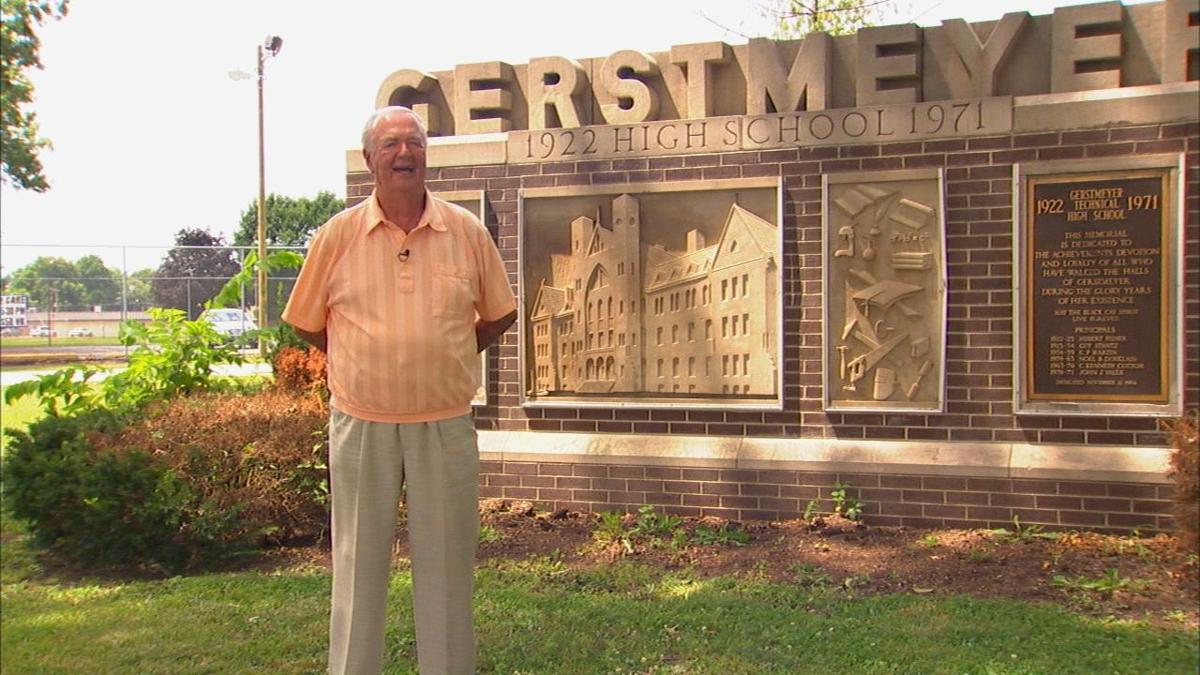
402 291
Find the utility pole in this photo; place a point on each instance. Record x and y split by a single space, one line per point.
272 45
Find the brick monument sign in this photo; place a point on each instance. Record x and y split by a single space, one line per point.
956 267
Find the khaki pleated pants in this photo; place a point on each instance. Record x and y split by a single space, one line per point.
437 463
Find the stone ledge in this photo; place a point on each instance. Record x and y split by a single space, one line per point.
984 460
1149 104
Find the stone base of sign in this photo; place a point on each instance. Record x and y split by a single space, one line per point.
1117 489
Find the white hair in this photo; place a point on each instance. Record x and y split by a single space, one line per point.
379 115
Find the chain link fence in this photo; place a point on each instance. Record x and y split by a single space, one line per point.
90 290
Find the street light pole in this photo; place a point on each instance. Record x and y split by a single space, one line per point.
262 204
272 45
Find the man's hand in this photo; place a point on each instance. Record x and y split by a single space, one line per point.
487 332
317 340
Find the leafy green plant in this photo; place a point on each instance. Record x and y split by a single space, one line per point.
43 472
980 555
1023 533
845 504
810 576
930 540
1106 585
310 478
648 527
488 534
611 531
66 391
1129 545
721 536
653 525
679 539
171 356
231 293
810 509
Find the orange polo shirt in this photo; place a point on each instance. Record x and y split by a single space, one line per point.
399 309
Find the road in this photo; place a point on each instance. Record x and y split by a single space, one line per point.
91 351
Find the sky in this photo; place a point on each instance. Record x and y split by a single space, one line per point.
152 135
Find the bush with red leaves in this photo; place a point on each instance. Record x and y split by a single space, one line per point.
300 369
1185 470
263 455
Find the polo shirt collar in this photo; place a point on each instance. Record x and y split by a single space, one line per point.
430 216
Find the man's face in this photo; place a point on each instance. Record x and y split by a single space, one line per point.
396 154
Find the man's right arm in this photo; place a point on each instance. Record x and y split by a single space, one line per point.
317 340
307 304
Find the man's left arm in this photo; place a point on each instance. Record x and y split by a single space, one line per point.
495 297
487 332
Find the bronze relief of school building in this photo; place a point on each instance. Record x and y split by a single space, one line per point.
620 316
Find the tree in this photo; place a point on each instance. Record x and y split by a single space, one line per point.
797 18
19 45
139 289
290 222
193 271
102 286
77 286
50 280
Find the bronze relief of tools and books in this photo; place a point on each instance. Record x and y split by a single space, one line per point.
884 290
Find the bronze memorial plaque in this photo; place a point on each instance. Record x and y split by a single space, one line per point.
1097 287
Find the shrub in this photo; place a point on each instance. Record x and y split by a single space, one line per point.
108 507
43 472
262 456
1185 470
300 369
118 498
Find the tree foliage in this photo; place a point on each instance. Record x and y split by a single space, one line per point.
19 46
139 290
290 222
797 18
102 285
72 286
193 271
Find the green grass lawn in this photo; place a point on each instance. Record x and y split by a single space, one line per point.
539 617
16 416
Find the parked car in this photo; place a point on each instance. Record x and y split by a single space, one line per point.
80 332
42 331
232 323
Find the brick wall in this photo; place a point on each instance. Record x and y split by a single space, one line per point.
909 500
979 358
